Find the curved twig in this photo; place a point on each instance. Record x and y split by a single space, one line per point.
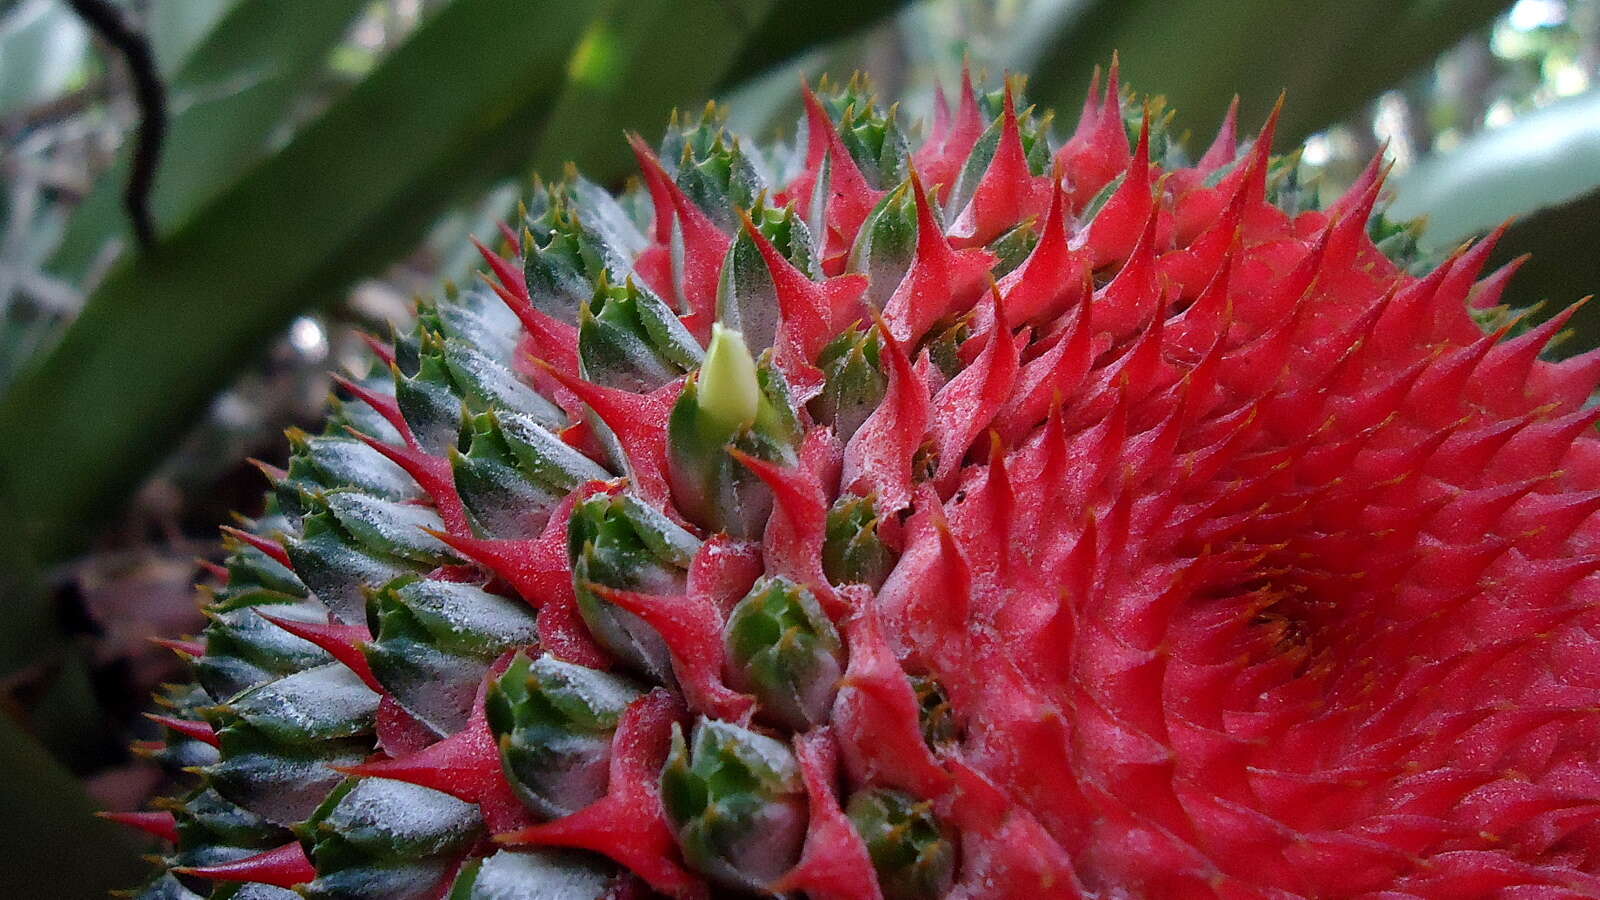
107 21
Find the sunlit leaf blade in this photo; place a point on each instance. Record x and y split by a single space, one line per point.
1543 172
233 88
1330 55
1545 158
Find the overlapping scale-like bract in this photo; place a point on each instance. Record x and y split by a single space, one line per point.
921 512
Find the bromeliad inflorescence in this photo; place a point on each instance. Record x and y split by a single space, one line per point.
921 510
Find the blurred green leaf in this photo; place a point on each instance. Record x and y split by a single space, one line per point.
792 28
176 28
236 84
54 846
1331 56
42 46
633 65
1545 158
1563 265
620 82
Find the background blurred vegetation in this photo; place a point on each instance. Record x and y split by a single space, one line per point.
326 159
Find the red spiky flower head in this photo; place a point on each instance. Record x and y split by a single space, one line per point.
984 516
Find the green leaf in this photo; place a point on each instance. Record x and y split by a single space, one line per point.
1546 158
177 27
792 28
1329 55
634 64
434 640
724 785
235 84
1562 268
908 846
54 845
554 722
648 56
782 649
385 838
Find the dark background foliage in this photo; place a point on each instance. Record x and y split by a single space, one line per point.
325 160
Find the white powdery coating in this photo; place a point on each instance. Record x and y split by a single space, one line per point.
422 820
467 612
324 702
539 875
399 526
557 462
503 387
350 462
598 690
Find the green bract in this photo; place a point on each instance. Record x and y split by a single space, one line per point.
735 801
554 722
